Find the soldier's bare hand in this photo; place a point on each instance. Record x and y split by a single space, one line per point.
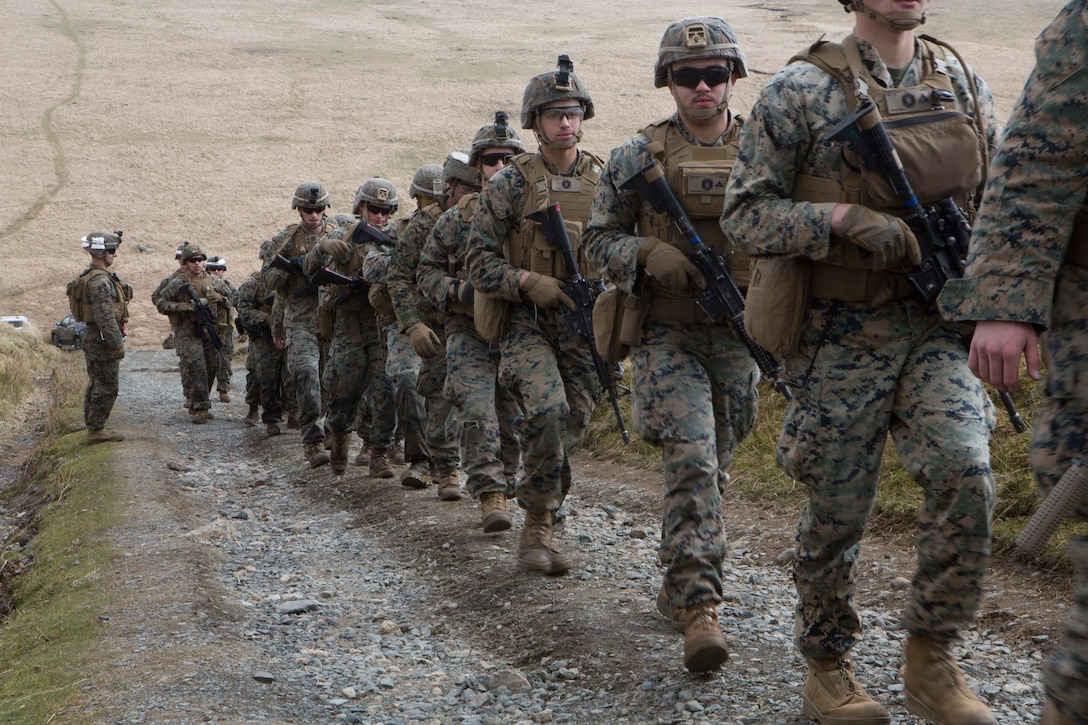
995 353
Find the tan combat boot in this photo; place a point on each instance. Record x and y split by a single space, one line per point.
253 416
363 458
224 396
934 686
418 475
677 616
201 416
102 436
396 455
338 456
493 512
705 648
315 454
1051 716
449 485
833 696
379 464
272 429
535 550
293 422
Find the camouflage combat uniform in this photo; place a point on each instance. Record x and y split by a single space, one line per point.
156 296
224 372
694 382
410 308
199 359
871 360
264 360
484 410
305 350
357 357
1029 263
549 371
103 343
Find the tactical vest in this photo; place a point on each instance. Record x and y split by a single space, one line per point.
205 290
456 264
942 149
529 249
297 245
80 306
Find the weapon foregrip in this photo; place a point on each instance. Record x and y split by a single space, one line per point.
1059 504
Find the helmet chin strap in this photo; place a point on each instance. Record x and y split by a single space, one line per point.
901 21
700 114
543 140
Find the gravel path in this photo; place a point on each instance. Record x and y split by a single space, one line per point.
254 590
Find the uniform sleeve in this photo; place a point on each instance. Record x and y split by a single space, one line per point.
1037 183
376 263
102 296
432 279
401 273
760 218
496 217
610 239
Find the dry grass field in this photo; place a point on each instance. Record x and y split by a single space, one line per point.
195 120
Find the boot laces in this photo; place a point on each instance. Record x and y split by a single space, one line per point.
846 676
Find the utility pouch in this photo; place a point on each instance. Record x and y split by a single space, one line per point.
490 316
775 306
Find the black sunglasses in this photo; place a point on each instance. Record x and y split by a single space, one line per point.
691 77
495 158
375 209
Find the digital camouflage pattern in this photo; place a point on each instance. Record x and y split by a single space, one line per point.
103 345
357 355
484 411
860 373
694 392
199 359
224 371
264 361
548 370
1018 271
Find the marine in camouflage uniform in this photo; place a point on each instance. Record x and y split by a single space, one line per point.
418 320
103 306
156 295
1028 274
357 356
484 411
199 358
305 350
266 362
871 358
549 370
695 384
218 266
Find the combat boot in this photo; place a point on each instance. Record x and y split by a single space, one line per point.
338 456
449 485
379 464
293 421
418 475
934 687
535 550
396 456
272 429
833 696
1051 716
224 396
363 458
316 454
201 416
252 416
102 436
677 616
493 512
705 648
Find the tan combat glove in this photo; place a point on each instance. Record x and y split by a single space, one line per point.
424 341
669 266
546 292
338 249
888 237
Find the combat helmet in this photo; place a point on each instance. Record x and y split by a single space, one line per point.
495 135
428 181
193 250
180 249
310 195
902 21
377 191
458 169
696 38
215 262
556 85
99 242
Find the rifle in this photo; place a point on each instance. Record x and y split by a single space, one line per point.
583 292
942 231
293 265
356 286
1061 502
365 231
205 322
722 298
